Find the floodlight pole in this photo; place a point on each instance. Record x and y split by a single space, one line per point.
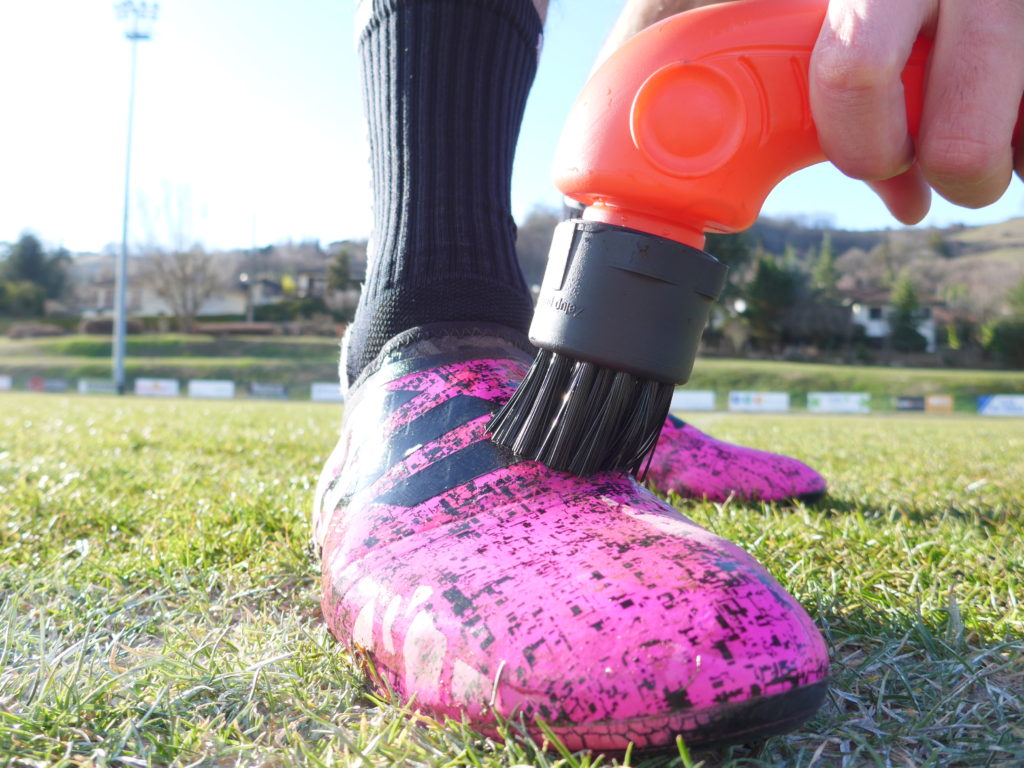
135 16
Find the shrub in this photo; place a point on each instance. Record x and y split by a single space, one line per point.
34 330
906 338
104 326
1005 340
21 299
290 309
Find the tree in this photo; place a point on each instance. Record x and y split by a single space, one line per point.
1005 340
21 299
734 251
1015 298
789 260
956 296
939 245
178 269
184 279
903 296
768 296
904 334
28 262
825 275
339 270
885 259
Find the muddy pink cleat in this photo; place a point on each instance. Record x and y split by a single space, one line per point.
479 585
695 465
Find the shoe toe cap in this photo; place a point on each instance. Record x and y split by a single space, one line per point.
588 619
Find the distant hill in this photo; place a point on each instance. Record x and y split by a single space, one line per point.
970 269
775 234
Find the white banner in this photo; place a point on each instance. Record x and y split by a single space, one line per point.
259 389
693 400
218 389
96 387
156 387
838 402
5 383
1001 405
325 392
761 402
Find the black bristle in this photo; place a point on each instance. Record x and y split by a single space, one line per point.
521 423
571 418
544 408
580 417
599 446
505 424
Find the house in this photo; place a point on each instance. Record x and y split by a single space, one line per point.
874 314
93 288
311 283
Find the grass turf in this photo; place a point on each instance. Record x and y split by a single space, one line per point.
160 607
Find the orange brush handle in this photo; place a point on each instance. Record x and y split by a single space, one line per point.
690 124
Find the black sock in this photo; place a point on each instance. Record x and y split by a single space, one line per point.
444 87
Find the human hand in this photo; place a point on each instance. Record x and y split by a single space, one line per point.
972 98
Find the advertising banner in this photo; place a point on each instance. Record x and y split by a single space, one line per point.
325 392
938 404
693 400
839 402
759 402
96 387
1001 405
909 403
261 389
156 387
216 389
39 384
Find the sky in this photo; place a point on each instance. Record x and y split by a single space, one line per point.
250 110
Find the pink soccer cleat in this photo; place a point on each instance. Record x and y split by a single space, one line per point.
480 586
695 465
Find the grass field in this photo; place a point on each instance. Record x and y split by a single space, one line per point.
160 606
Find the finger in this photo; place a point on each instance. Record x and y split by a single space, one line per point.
907 196
856 91
972 99
1018 139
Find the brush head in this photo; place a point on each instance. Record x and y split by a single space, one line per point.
618 322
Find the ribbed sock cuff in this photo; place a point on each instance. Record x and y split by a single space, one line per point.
445 86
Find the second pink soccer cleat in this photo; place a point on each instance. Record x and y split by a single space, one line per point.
695 465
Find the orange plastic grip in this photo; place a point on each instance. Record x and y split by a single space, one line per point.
690 124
